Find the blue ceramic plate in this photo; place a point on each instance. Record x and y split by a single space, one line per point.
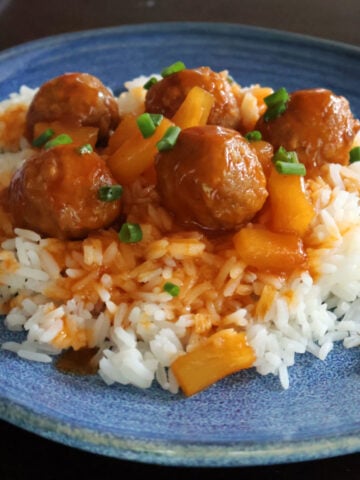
245 419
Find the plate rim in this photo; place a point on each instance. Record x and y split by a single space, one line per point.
230 27
177 454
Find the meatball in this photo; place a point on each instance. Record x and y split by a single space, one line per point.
55 193
265 152
211 179
317 124
166 96
74 98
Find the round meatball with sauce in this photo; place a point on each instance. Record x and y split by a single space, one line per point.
55 193
317 124
77 99
211 179
166 96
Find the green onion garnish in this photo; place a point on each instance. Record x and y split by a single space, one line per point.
147 123
43 138
288 168
283 155
61 139
174 68
253 136
354 155
274 112
171 288
169 139
280 96
288 163
150 83
109 193
87 148
276 103
130 233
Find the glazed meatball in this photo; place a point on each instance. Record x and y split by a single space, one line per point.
166 96
211 179
74 98
55 193
317 124
265 152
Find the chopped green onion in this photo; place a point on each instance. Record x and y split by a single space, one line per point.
43 138
150 83
87 148
253 136
61 139
288 163
109 193
276 103
288 168
169 139
283 155
130 233
274 111
156 118
354 155
173 68
147 123
280 96
171 288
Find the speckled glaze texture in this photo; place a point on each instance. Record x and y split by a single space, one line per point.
245 419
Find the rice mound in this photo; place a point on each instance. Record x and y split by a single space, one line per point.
106 294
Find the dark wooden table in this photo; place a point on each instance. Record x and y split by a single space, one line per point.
27 456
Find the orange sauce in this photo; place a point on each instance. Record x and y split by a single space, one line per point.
80 362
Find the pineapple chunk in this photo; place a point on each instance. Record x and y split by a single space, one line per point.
221 354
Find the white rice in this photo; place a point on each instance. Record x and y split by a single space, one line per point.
138 342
